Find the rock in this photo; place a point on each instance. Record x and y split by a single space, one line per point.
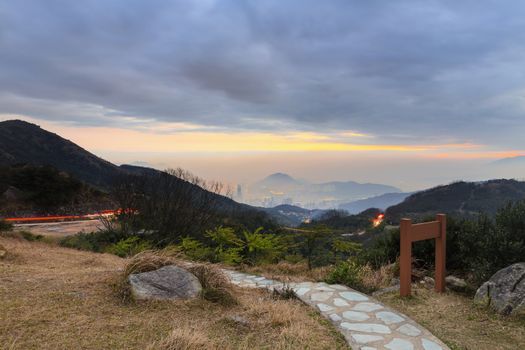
239 320
428 282
456 284
505 291
168 282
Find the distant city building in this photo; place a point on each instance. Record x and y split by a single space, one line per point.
239 192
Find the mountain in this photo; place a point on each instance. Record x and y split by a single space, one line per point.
459 198
32 156
281 188
381 202
518 160
278 180
26 143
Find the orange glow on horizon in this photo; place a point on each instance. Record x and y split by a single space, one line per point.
192 138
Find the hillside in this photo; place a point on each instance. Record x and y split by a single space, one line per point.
60 163
382 202
26 143
59 298
459 198
291 215
38 190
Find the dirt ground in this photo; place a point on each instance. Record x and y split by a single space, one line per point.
57 298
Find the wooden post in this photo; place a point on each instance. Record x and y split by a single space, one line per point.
441 253
405 258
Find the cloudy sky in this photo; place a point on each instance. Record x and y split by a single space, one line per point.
407 92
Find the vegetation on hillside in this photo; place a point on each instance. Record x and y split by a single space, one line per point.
460 199
44 189
476 248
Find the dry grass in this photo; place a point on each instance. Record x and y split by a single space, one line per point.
149 260
183 339
288 272
458 322
377 279
216 287
58 298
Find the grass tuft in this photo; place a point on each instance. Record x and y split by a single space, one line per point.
184 338
216 287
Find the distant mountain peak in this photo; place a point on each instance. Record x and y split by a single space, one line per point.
279 176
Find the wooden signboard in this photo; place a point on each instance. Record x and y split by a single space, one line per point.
418 232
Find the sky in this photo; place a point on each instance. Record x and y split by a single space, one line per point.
410 93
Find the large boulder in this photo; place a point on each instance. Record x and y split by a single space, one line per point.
168 282
505 291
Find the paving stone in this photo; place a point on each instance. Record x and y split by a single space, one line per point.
304 284
400 344
340 302
355 316
324 307
430 345
335 317
366 338
353 296
324 289
301 291
354 310
265 283
338 287
321 296
408 329
389 317
367 307
366 327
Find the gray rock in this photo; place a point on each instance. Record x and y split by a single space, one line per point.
455 283
241 321
428 282
505 291
168 282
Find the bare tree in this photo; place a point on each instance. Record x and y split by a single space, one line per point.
169 204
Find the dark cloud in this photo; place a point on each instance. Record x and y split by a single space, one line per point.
444 70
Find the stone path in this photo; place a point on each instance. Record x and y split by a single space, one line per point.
366 323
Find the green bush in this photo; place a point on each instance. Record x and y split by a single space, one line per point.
195 250
475 248
349 273
28 236
128 247
262 248
5 226
94 241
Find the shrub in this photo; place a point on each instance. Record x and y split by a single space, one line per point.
5 226
128 247
262 248
475 248
349 273
94 241
195 250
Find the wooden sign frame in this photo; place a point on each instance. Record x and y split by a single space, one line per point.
418 232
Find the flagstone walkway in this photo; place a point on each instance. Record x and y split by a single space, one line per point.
366 323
